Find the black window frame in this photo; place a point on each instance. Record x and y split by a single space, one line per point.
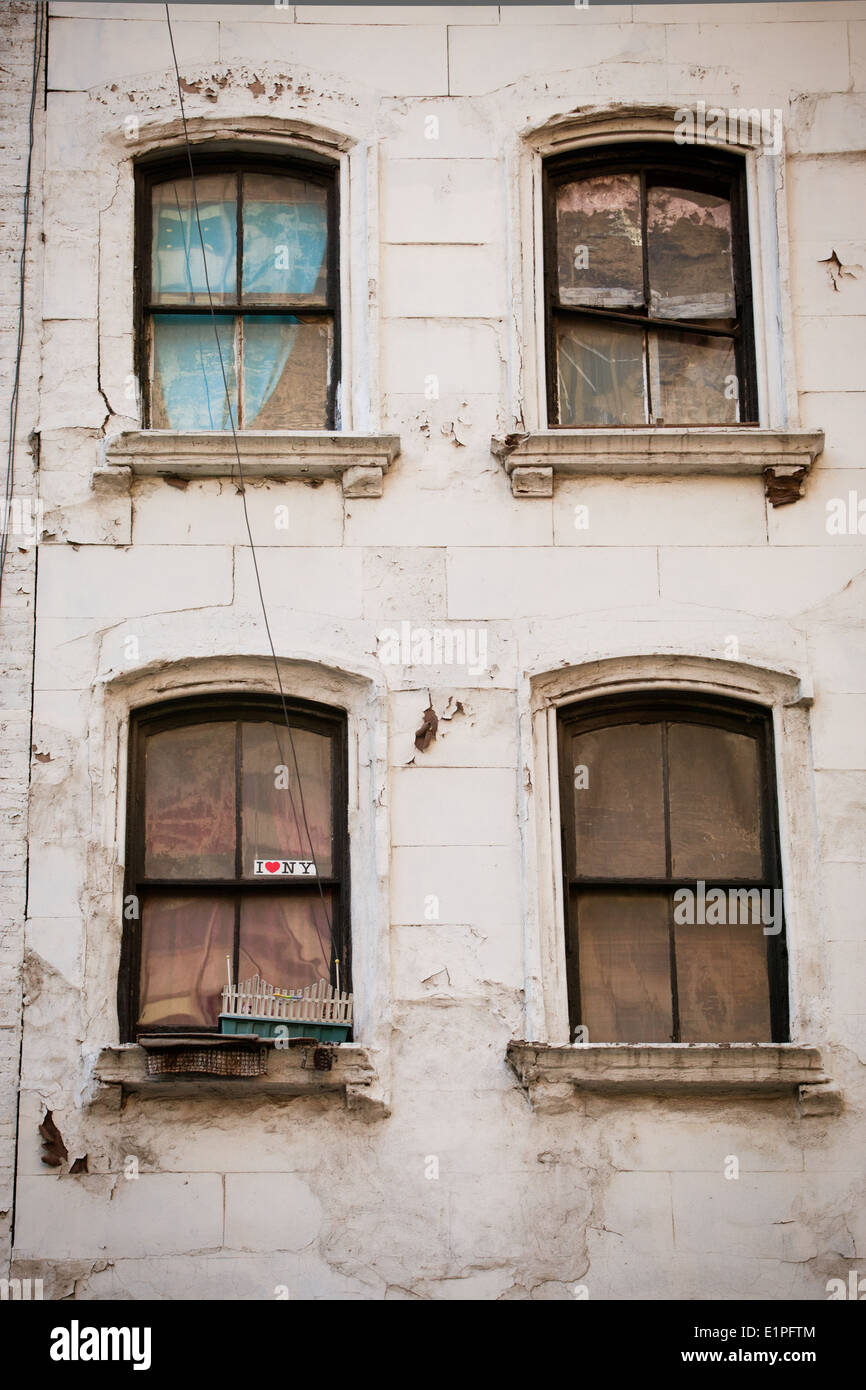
704 170
657 707
247 707
151 171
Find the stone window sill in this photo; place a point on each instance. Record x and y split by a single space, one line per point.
360 461
782 457
553 1076
122 1070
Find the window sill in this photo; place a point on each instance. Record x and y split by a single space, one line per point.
553 1076
360 461
782 457
122 1070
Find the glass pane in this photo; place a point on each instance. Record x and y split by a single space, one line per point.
694 379
714 803
722 983
689 255
184 944
598 242
619 814
188 391
625 983
177 263
285 939
600 373
285 239
272 816
190 802
287 365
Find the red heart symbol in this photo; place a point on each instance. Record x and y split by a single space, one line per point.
272 865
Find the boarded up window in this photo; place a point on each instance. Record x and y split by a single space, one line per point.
624 967
619 814
674 924
287 363
649 318
262 244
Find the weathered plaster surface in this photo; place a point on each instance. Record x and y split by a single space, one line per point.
624 1194
19 579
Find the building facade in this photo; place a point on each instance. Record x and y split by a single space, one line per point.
444 430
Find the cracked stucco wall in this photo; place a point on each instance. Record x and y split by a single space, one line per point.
623 1196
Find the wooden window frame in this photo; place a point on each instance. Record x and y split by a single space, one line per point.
150 173
711 171
303 714
661 707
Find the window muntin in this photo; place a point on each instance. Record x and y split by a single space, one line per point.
270 258
648 289
214 788
660 796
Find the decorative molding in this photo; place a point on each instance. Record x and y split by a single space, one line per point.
359 460
553 1076
611 124
783 458
678 671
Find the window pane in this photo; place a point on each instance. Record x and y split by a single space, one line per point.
598 241
714 803
694 379
188 391
272 816
600 373
285 239
285 939
184 944
287 365
190 802
689 255
722 983
624 951
619 815
178 266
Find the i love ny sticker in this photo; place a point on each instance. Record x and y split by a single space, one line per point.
275 868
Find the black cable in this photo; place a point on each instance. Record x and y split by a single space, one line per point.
243 492
38 33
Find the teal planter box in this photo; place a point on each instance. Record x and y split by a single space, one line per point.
283 1028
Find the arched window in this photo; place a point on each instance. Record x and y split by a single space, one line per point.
236 848
648 299
674 920
269 229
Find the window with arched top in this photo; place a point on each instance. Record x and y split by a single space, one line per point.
237 856
648 288
672 886
237 282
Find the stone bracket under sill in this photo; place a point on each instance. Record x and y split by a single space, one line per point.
121 1070
360 461
553 1076
783 458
